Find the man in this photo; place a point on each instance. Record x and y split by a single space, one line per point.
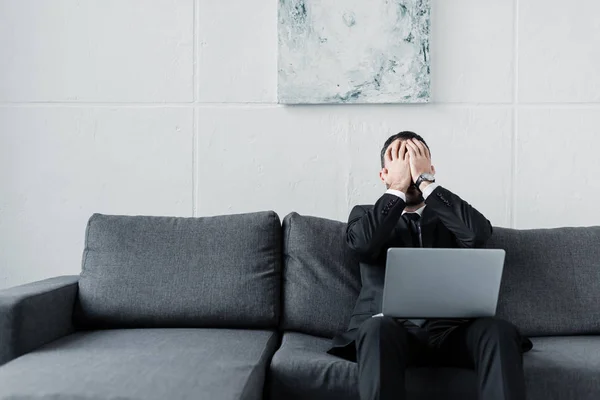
417 212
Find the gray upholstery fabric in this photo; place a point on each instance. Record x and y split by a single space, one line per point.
549 287
145 364
321 277
302 370
220 271
559 368
551 280
35 314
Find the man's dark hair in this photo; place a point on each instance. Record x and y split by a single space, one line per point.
404 135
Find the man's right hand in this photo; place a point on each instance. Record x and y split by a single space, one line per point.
397 174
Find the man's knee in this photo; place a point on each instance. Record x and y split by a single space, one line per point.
496 327
381 334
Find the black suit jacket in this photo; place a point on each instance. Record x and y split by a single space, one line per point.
447 222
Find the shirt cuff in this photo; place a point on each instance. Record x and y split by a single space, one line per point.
429 189
397 193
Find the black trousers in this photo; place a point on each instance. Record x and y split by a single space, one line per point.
385 347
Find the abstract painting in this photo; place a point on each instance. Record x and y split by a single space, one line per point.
353 51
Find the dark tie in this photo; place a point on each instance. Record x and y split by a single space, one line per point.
414 224
413 221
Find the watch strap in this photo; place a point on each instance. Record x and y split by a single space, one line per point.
421 178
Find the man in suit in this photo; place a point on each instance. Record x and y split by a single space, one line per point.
415 211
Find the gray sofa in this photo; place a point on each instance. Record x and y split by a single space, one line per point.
243 307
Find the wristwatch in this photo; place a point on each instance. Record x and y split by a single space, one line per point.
424 177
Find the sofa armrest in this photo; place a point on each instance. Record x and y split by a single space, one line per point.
34 314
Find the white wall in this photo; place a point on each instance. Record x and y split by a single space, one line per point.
168 108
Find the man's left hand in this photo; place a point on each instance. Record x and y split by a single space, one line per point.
420 158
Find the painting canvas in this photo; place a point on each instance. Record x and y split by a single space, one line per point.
353 51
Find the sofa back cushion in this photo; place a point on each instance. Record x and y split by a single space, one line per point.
222 271
321 277
551 280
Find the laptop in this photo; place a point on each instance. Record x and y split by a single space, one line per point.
442 283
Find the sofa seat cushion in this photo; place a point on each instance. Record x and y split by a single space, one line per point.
559 368
301 369
143 364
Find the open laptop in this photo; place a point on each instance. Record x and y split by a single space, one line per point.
442 283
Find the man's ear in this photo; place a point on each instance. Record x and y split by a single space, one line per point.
382 174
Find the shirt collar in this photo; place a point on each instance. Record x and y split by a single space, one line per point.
419 211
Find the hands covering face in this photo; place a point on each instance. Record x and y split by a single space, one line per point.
420 158
405 161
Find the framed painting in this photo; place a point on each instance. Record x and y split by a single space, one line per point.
353 51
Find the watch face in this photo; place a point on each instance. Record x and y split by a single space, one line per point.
428 177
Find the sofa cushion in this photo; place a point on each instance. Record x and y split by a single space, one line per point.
321 277
557 368
561 368
302 370
222 271
551 280
144 364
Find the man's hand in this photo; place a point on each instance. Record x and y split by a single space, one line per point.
420 158
397 175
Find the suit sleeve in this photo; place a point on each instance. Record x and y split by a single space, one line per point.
370 227
468 225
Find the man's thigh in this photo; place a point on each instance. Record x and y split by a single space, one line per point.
411 340
421 352
459 347
452 350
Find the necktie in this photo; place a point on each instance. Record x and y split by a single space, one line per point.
414 224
